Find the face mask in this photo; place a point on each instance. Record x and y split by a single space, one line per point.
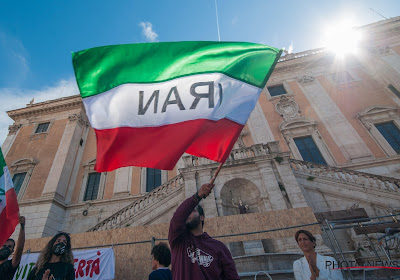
4 253
59 249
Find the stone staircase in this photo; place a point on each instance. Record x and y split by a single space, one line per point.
137 213
347 176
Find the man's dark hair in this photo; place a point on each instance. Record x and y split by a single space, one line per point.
306 232
13 241
162 254
201 212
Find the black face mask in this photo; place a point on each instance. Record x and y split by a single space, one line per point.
59 249
5 252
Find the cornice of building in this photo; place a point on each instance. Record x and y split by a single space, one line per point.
374 31
47 107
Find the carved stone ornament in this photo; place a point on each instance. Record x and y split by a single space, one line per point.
287 108
81 119
12 129
380 51
306 80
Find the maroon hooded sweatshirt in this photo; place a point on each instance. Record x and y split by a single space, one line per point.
197 257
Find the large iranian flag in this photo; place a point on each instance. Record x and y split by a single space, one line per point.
149 103
8 203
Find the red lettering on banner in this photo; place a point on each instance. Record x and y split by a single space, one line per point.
95 267
88 266
80 271
75 260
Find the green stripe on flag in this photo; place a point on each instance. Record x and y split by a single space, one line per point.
2 163
100 69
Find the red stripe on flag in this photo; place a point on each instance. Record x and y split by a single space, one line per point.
161 147
9 216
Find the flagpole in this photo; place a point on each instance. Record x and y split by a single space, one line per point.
216 173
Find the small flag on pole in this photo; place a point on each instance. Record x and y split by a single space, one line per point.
150 103
8 203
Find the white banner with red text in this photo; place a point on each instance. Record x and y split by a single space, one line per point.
96 264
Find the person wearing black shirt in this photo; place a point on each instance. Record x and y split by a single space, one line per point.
56 260
161 260
9 267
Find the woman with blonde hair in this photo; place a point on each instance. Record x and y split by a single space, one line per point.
56 261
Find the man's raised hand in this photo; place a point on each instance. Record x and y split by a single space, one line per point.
205 190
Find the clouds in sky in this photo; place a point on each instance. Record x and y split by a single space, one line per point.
14 98
148 32
14 58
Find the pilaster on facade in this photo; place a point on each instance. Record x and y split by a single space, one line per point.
64 160
259 127
350 143
12 134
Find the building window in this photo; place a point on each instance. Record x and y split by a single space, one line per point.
153 179
277 90
309 150
43 127
391 133
394 90
92 186
342 77
18 180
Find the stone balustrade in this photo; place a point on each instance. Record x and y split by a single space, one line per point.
301 54
236 154
126 213
346 175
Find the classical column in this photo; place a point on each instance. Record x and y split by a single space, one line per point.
12 134
123 180
346 137
61 169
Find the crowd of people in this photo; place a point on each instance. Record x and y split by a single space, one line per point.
193 254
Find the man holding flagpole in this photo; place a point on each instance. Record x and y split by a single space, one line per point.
150 103
195 255
9 218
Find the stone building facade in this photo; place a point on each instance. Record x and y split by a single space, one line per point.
340 114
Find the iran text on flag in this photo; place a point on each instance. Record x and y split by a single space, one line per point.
8 203
149 103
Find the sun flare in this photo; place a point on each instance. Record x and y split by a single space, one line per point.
342 38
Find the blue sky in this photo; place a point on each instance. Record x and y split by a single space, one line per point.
37 37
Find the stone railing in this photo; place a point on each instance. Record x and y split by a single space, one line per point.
126 213
301 54
237 154
346 175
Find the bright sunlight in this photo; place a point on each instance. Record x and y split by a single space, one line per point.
342 38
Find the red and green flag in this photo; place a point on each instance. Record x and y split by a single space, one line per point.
150 103
8 203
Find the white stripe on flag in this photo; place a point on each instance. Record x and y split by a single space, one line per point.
5 184
119 107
